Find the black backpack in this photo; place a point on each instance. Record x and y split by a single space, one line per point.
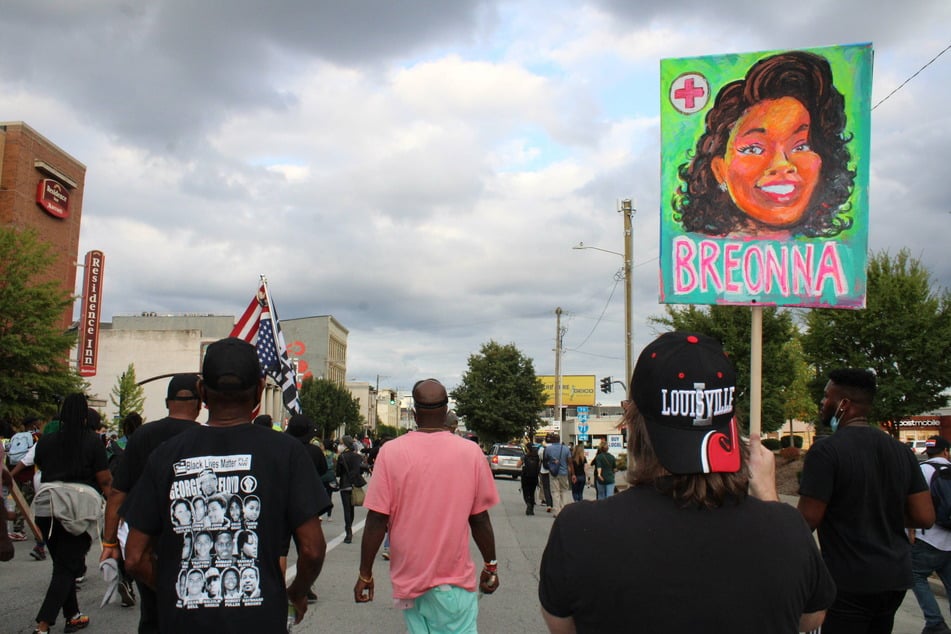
941 493
532 465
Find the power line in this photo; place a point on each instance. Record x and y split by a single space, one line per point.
913 76
617 279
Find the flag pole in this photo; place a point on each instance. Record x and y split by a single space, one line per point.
279 345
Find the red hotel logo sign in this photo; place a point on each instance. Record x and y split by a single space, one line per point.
53 198
89 321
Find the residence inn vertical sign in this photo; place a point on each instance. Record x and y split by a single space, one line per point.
89 319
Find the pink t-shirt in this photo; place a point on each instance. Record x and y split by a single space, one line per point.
429 484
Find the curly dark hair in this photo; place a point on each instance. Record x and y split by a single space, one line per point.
700 204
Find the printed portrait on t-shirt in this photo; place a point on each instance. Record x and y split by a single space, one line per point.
224 545
235 513
194 587
230 583
252 509
248 545
217 504
250 583
181 515
208 482
200 512
203 544
186 546
214 504
213 586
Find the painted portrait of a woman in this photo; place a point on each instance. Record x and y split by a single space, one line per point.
773 158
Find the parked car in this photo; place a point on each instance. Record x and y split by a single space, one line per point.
506 460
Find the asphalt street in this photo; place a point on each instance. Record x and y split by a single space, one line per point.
513 608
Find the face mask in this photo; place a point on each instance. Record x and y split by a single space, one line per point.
834 421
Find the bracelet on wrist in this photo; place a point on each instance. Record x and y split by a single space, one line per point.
490 568
110 544
365 579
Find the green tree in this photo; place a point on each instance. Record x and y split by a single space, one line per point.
731 325
34 350
902 335
500 396
798 400
127 396
331 405
388 431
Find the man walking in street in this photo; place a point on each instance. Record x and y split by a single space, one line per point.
931 548
431 487
247 461
560 470
860 488
670 553
183 406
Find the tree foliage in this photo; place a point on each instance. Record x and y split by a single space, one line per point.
126 395
798 400
331 406
731 325
34 368
902 335
500 396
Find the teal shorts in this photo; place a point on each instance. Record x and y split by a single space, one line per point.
442 610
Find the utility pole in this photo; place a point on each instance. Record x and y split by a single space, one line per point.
627 208
558 336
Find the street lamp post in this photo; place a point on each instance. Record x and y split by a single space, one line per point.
626 208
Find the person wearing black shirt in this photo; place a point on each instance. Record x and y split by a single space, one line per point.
73 454
183 405
246 461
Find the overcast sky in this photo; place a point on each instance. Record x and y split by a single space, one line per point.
421 169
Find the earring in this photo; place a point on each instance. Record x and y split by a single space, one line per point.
722 186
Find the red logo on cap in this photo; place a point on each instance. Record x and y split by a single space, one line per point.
723 452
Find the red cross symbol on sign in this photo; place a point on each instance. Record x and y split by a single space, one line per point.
689 93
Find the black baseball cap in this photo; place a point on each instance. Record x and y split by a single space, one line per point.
684 385
180 383
231 365
936 445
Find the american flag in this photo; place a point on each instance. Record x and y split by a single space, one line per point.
256 327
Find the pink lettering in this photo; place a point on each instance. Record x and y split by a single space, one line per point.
709 252
777 271
830 268
801 264
730 264
685 275
753 265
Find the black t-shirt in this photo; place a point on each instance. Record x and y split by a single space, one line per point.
54 457
141 445
222 502
638 560
318 457
864 476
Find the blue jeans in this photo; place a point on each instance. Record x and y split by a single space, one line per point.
604 489
926 559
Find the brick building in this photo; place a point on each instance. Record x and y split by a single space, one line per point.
41 188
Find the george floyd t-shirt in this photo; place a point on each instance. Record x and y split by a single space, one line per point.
222 502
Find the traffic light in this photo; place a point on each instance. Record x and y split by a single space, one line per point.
392 398
606 385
